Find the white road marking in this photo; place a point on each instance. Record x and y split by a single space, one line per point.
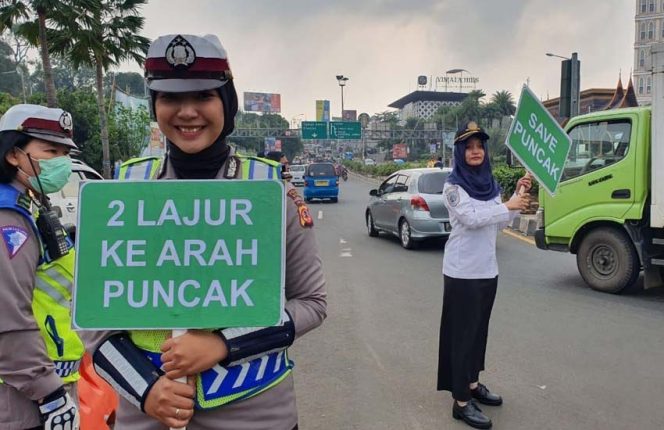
345 254
375 357
320 214
341 240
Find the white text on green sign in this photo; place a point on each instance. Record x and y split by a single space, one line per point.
538 141
185 254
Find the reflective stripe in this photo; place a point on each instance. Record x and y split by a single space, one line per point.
60 279
56 295
270 173
148 170
66 368
124 367
127 174
252 166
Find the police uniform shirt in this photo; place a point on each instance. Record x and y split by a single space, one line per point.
306 302
470 251
27 372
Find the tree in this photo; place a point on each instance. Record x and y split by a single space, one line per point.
30 19
102 37
131 83
10 80
504 102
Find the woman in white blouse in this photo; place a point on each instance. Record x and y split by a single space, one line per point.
470 272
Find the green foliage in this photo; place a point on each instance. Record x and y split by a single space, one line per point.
291 146
131 83
7 101
507 177
129 130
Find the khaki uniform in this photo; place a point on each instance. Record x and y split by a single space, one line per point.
27 371
275 408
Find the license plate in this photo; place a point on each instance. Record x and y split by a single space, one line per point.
321 183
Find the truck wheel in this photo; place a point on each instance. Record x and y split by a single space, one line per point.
607 260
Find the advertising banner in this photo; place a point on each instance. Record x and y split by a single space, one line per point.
350 115
322 110
399 150
262 102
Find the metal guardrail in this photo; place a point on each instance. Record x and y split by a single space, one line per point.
366 133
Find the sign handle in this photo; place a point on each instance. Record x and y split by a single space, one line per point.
179 332
520 192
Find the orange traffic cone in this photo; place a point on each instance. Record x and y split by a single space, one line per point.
98 401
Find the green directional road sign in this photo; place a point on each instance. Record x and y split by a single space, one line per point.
179 254
345 130
538 141
314 129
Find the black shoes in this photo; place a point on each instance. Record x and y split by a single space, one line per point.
471 415
486 397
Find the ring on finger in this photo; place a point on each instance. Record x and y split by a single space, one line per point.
177 413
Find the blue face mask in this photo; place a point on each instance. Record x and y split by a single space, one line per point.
54 174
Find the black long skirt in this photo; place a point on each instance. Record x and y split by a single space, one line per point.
464 326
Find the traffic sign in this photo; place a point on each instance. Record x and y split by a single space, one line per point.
537 140
345 130
314 129
179 254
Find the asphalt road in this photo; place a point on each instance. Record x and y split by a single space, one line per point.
561 355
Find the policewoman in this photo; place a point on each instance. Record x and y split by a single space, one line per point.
246 371
470 272
39 353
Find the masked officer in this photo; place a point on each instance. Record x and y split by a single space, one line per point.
247 371
39 353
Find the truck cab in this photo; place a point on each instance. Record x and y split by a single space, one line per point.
599 211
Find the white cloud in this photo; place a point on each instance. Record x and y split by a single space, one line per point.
297 47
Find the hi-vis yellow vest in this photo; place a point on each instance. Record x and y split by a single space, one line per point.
51 301
220 385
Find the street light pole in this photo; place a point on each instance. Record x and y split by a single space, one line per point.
570 85
341 79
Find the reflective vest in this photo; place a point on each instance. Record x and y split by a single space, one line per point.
221 385
51 299
142 168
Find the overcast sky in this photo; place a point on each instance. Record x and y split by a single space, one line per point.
296 47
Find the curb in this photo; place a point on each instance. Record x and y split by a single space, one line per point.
524 224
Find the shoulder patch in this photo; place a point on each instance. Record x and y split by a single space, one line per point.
453 196
14 238
232 167
306 220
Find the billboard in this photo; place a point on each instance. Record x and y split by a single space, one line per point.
349 115
262 102
400 150
322 110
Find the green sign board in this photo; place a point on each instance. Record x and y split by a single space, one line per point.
345 130
179 254
314 129
537 140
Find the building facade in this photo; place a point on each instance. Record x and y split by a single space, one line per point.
649 29
423 104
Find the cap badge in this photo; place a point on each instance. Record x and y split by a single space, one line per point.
472 125
66 122
180 53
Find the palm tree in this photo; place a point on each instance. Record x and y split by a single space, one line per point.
504 102
31 20
102 37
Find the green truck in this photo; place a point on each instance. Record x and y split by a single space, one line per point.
609 205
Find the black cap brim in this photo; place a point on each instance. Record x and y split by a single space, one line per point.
465 136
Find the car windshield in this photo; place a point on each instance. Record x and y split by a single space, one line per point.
297 168
321 170
432 183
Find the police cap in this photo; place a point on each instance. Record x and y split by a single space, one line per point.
178 63
470 129
50 124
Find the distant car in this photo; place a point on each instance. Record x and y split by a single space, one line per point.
297 171
409 204
369 162
65 201
321 182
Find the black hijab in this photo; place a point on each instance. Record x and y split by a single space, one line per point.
207 163
477 181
